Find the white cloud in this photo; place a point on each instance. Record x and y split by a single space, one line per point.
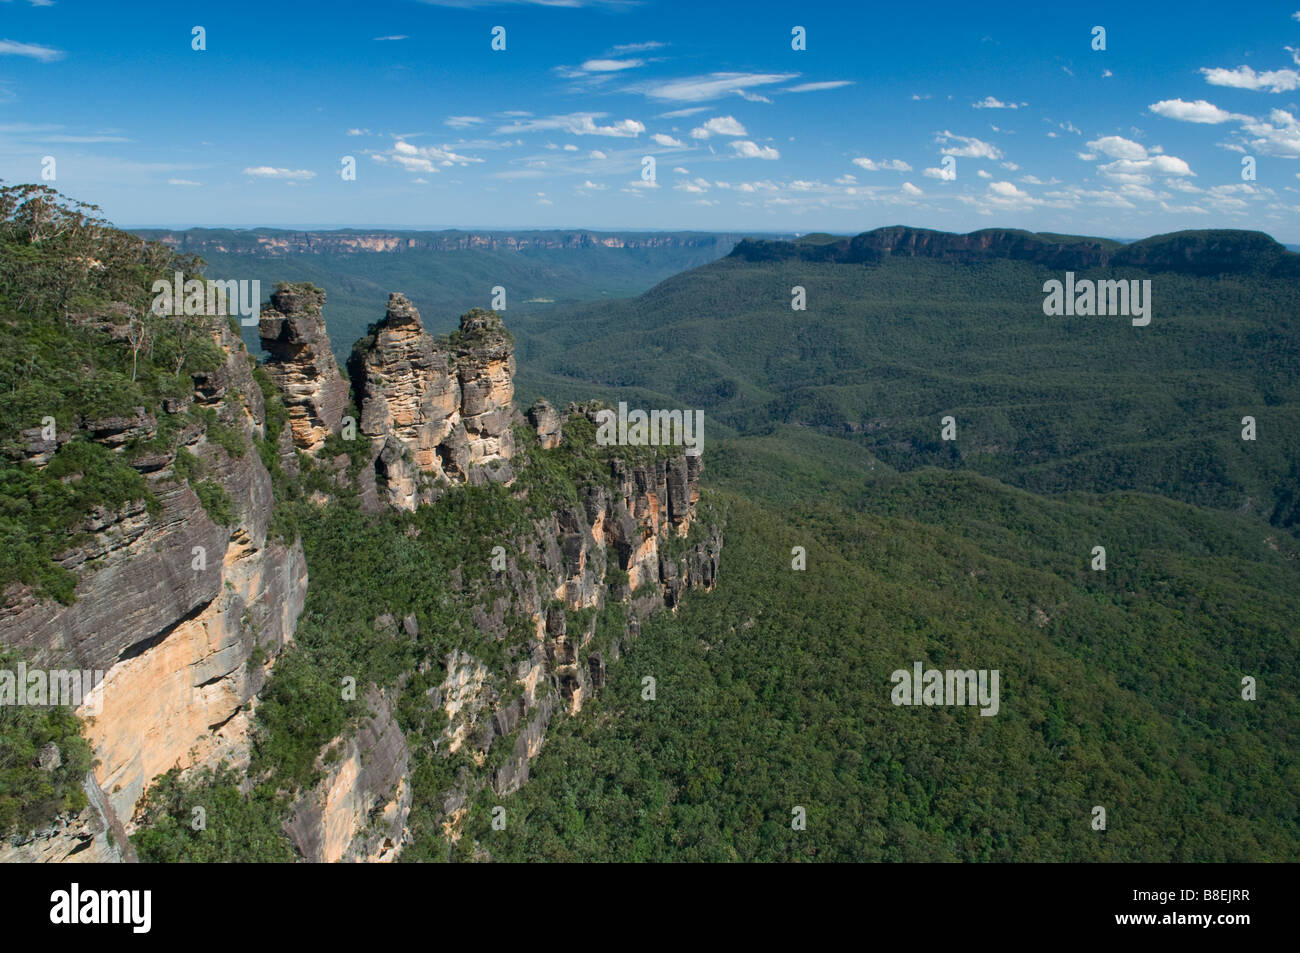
400 36
32 51
577 124
597 154
270 172
638 47
988 102
968 146
1198 111
1280 136
818 87
1117 147
426 158
884 165
358 132
668 141
611 66
182 182
679 113
944 175
460 122
1133 163
1008 195
750 150
698 89
910 189
1243 77
722 125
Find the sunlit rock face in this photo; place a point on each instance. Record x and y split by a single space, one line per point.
311 385
437 411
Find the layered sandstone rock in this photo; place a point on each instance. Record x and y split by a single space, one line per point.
92 836
358 811
437 411
302 365
181 615
613 546
546 420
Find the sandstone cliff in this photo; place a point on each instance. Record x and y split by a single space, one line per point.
301 364
183 615
437 411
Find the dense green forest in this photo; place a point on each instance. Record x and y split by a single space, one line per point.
886 349
1120 689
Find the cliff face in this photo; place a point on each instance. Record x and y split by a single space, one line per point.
645 527
638 529
172 607
301 364
358 811
436 411
1202 252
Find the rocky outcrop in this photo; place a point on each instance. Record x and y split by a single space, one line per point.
314 390
358 811
437 411
546 420
92 836
182 615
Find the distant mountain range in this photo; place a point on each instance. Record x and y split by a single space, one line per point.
273 241
445 272
904 326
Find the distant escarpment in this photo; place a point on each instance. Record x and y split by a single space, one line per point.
276 242
1217 251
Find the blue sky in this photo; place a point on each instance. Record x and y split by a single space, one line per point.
932 114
